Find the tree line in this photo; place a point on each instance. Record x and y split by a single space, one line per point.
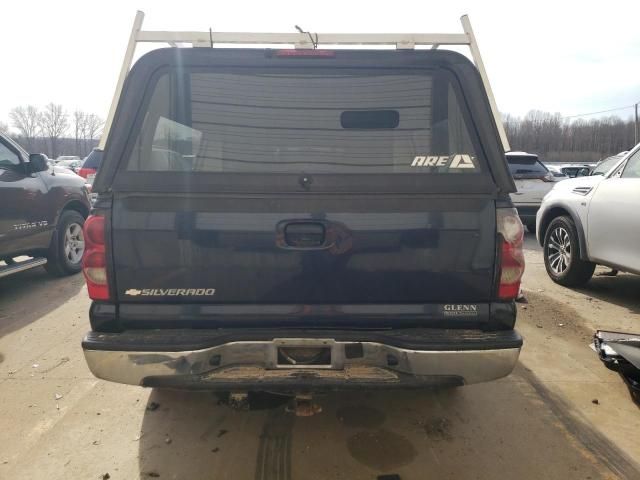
550 135
50 129
556 138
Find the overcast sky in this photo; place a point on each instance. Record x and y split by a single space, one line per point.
561 56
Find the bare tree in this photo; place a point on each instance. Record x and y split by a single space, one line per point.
4 128
54 123
80 127
26 121
93 128
558 138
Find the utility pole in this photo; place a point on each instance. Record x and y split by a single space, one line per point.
637 130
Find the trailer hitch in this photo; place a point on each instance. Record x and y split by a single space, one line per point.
303 406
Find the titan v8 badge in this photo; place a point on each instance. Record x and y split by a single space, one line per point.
25 226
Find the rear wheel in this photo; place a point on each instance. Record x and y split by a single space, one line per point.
65 252
562 254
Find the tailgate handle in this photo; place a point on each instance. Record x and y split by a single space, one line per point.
304 235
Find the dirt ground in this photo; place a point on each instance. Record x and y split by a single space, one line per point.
560 415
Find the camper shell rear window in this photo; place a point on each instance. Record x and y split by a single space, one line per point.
301 122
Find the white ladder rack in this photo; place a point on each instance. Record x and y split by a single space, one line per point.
302 40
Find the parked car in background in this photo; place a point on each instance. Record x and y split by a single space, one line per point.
604 166
556 172
573 170
58 168
533 181
62 169
73 165
42 211
64 158
593 220
91 165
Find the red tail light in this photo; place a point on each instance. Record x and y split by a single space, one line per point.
94 260
85 172
511 255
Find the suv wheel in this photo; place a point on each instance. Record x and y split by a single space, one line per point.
562 254
67 247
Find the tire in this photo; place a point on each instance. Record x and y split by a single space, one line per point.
65 253
561 251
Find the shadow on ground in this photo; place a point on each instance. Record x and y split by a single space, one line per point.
27 296
513 428
622 290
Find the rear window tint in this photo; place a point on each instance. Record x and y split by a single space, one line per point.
525 166
294 123
93 160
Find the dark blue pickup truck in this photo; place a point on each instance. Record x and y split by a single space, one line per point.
303 221
42 211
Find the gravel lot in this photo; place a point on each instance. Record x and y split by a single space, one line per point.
561 415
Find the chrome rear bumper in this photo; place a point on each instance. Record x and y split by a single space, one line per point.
247 365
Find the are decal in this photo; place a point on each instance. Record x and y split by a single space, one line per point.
452 162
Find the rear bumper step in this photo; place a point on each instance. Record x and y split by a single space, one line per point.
457 357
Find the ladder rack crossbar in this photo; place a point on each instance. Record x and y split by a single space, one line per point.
302 40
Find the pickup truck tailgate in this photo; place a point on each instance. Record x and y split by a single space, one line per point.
304 249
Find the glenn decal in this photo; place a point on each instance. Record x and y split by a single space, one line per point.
460 310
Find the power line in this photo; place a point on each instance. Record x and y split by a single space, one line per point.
601 111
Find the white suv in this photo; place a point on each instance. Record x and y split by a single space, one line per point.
592 220
533 181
